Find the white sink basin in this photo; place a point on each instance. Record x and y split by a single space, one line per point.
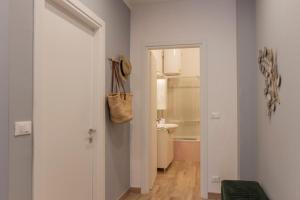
169 127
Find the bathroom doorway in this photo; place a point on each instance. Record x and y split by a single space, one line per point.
175 116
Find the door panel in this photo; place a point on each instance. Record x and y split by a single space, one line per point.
66 107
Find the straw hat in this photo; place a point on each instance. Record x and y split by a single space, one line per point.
125 67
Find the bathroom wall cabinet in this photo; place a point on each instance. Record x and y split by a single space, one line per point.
167 62
172 62
161 94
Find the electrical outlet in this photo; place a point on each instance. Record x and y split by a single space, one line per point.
23 128
216 115
215 179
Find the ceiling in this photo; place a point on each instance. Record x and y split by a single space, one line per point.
131 3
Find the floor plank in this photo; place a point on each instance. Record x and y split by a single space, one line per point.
180 182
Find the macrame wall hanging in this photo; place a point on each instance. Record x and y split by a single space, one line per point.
269 68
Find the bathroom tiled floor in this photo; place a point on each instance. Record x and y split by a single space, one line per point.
180 182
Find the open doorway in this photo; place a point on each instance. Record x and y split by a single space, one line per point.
175 122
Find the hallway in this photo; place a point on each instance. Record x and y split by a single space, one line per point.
212 89
180 182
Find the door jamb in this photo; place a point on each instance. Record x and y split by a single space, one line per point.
88 17
145 187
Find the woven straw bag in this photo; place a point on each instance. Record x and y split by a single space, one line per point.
120 103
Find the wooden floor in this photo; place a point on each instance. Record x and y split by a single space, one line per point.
180 182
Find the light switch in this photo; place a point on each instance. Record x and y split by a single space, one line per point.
215 115
23 128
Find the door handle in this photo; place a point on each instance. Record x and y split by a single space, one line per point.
91 133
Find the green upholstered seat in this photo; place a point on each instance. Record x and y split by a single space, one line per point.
242 190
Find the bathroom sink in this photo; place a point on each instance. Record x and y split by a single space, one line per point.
169 127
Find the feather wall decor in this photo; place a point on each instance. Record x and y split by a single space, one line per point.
269 68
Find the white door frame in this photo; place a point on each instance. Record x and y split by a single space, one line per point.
81 12
145 186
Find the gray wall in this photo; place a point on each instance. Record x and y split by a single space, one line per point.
117 18
20 97
278 27
214 23
246 60
4 71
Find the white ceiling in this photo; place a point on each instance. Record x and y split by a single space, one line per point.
131 3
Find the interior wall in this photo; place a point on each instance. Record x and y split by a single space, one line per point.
117 17
20 97
212 22
278 138
246 62
183 106
4 72
190 62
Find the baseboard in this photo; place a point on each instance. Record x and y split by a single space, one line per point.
214 195
124 195
130 190
135 190
138 191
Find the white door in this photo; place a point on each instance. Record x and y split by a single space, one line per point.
66 98
153 121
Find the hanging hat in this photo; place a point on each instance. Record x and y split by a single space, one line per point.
125 67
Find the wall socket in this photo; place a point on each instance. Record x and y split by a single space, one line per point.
23 128
215 179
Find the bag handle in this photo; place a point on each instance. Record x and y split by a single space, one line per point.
119 80
113 85
116 78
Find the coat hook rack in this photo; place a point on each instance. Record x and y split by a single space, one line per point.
113 60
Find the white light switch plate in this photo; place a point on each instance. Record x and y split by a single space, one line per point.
23 128
215 115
